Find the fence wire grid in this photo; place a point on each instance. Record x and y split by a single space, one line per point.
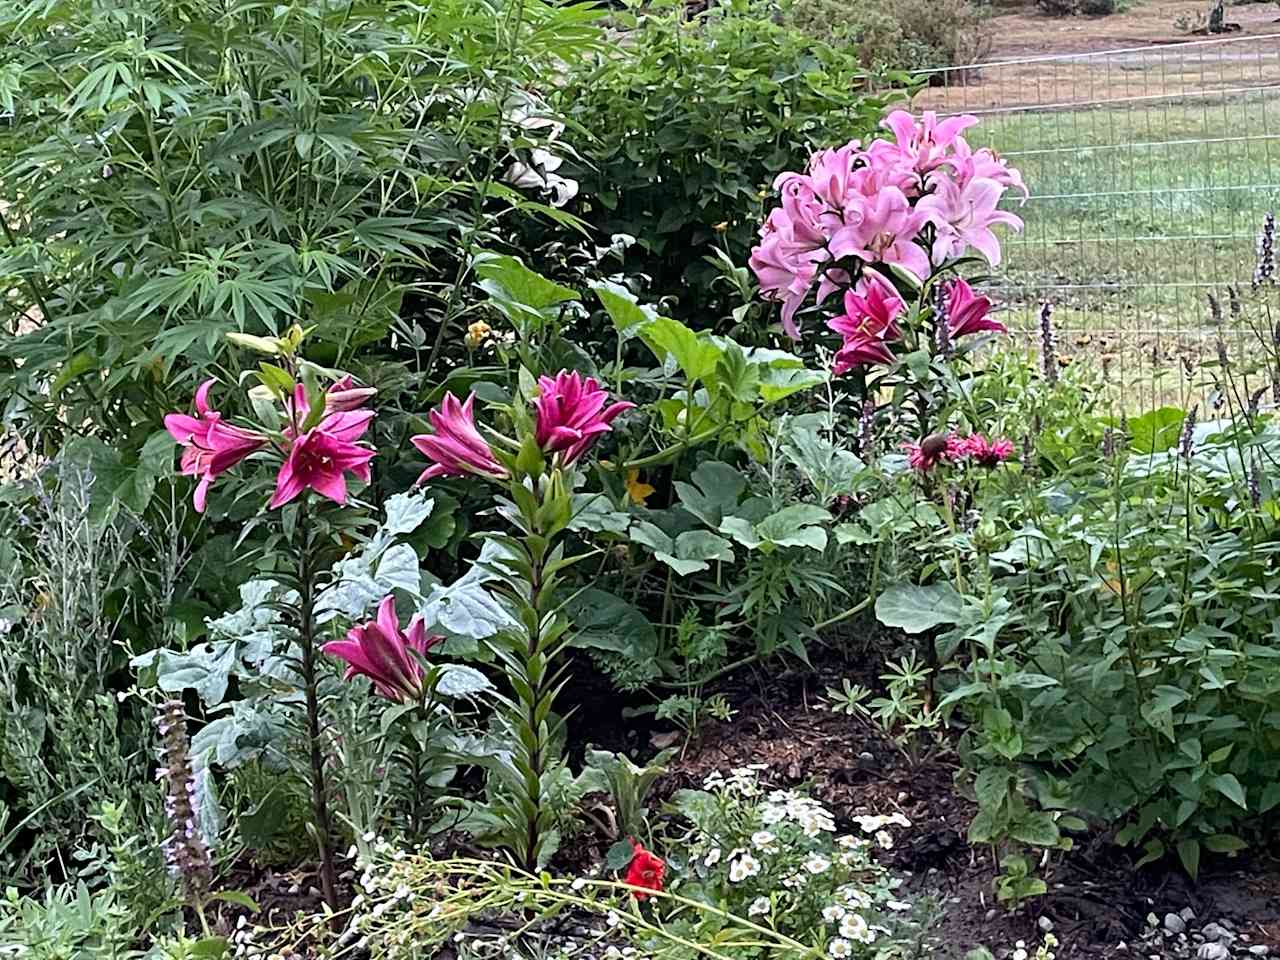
1150 170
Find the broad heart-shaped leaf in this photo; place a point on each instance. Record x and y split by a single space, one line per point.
832 471
694 353
594 513
793 526
688 553
526 298
458 680
717 487
776 384
604 621
1035 828
623 309
1157 430
206 668
915 609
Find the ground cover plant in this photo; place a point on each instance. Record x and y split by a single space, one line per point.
446 427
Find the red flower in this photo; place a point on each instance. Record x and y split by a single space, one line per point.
935 449
987 453
646 871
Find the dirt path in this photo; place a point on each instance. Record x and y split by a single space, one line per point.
1026 32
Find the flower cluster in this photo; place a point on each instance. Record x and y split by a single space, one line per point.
1265 271
775 856
570 412
184 849
941 448
911 203
315 455
386 654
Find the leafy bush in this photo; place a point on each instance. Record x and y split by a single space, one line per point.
898 34
1093 8
683 129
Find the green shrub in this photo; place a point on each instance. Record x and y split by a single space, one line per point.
682 132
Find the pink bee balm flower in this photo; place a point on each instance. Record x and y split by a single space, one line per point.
456 447
964 216
384 653
210 446
935 449
987 453
320 459
868 324
967 312
570 413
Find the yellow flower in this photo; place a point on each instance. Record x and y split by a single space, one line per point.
477 333
637 491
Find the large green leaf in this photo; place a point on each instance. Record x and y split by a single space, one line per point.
695 354
915 609
604 621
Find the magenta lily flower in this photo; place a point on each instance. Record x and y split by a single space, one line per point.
869 323
456 448
321 458
987 453
210 445
964 216
967 312
569 413
384 653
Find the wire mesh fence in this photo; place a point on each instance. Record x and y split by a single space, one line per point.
1150 169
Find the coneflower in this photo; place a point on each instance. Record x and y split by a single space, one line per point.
184 849
1048 345
1186 446
941 323
867 431
1265 271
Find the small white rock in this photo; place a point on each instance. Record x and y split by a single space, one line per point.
1174 924
1045 924
1213 951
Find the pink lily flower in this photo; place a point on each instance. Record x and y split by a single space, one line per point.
935 449
984 163
923 143
885 233
987 453
830 173
456 448
967 312
570 413
210 445
384 653
319 460
868 324
344 396
964 216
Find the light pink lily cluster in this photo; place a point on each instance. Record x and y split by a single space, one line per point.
317 458
380 650
952 448
569 414
875 204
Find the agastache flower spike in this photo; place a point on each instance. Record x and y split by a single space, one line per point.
1186 446
1048 344
1265 271
184 849
941 322
866 431
1255 482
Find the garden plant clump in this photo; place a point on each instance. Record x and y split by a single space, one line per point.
531 480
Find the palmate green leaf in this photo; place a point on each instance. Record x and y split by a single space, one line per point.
626 312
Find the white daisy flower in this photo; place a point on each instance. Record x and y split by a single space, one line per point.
763 840
771 814
840 947
855 897
854 926
712 857
833 913
759 907
885 839
816 864
745 866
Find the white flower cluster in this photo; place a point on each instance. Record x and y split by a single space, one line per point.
741 781
787 805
